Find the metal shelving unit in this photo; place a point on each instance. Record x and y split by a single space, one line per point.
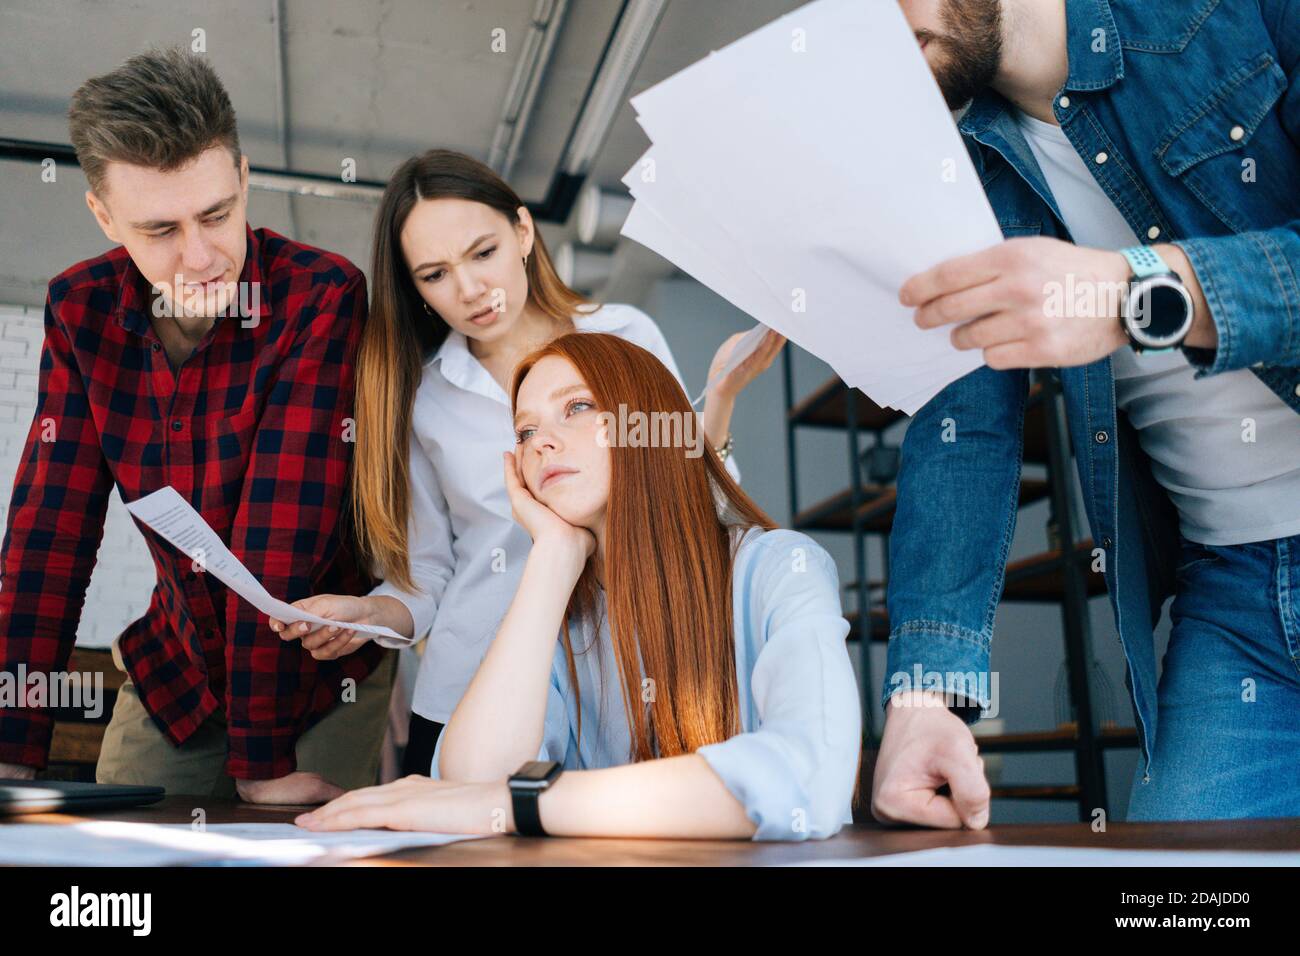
1059 575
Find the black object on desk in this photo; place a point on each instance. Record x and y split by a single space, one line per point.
56 796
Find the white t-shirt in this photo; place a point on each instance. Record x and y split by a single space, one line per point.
1225 447
466 551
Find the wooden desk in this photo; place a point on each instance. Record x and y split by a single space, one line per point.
856 841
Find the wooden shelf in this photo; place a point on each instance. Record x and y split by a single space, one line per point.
1037 792
76 743
879 625
876 511
76 740
871 585
1062 738
1039 578
828 407
92 660
836 512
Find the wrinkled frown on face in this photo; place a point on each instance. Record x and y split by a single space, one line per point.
466 260
558 434
187 222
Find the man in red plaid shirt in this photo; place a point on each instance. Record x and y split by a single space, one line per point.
217 359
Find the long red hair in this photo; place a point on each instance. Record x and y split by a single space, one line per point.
668 558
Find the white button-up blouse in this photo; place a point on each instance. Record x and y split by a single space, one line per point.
466 551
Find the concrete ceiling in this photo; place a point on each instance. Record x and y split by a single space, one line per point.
374 81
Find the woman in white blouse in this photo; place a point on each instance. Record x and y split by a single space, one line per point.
672 665
462 289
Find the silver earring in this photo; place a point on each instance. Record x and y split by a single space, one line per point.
525 262
426 307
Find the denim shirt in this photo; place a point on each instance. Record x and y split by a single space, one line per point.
1196 104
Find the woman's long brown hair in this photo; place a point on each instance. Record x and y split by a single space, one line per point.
401 335
668 557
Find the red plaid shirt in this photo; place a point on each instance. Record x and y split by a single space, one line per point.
250 430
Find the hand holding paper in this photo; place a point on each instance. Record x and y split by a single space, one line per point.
778 178
759 338
167 513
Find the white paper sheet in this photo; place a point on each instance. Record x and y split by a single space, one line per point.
998 855
742 350
119 843
706 251
167 513
803 173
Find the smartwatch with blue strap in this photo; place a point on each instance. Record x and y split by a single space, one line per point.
1157 312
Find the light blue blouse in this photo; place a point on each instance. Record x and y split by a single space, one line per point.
794 764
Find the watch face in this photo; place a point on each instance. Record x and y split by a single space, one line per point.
535 772
1158 313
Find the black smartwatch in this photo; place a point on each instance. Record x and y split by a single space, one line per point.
526 787
1157 313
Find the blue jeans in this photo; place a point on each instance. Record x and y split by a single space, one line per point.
1227 741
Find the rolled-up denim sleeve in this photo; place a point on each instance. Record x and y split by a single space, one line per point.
795 773
1251 283
1251 280
957 494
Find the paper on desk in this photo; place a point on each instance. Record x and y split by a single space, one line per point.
805 181
166 512
119 843
990 854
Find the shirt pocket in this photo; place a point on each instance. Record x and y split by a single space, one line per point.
1211 148
229 438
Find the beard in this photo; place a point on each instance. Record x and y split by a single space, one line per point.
971 45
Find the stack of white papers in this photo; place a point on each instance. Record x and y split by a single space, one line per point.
803 173
119 843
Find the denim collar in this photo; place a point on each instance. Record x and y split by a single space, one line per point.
1092 43
1096 63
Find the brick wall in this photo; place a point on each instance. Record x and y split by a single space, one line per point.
124 574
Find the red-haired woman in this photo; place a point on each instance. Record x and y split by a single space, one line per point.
671 665
462 288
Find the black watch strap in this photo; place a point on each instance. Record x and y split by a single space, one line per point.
528 817
969 711
527 784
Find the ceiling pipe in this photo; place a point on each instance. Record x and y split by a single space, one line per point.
632 35
583 269
633 32
282 106
535 57
599 214
259 177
